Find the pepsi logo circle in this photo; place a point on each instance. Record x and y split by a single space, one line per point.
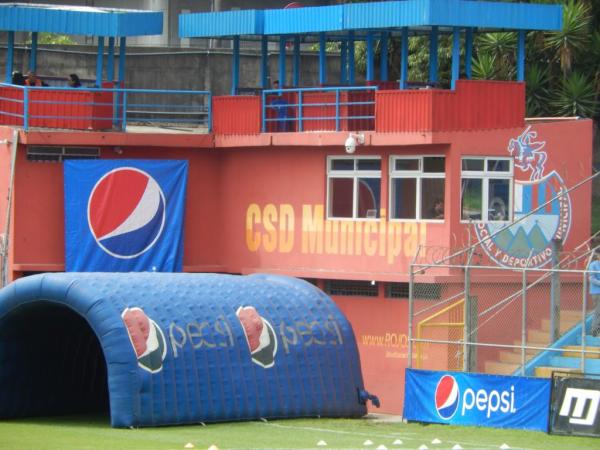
447 396
126 212
147 339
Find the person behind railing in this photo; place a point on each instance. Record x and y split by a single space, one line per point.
33 80
280 106
74 81
594 281
18 78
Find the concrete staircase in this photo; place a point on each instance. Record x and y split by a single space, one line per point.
568 361
510 360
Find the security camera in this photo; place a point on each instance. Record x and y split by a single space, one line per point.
352 141
350 144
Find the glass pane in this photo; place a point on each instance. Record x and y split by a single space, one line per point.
498 199
342 164
340 197
434 164
498 165
369 164
404 198
406 164
471 194
368 197
432 198
472 164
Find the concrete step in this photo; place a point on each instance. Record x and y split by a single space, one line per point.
574 351
499 368
546 371
538 336
592 366
511 357
593 341
565 324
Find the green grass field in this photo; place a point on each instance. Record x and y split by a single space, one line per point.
91 432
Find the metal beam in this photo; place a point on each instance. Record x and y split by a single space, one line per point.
110 64
370 57
433 55
10 54
235 74
296 80
282 61
455 56
404 59
351 58
469 53
122 54
99 61
521 56
322 59
383 56
264 62
33 53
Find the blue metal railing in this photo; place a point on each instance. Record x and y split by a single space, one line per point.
284 108
103 108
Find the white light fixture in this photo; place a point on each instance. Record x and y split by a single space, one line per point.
353 140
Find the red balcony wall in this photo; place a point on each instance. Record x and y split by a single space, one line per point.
474 105
239 114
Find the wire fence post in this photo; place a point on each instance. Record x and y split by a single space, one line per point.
555 291
468 325
524 314
411 282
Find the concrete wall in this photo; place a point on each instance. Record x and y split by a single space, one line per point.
163 69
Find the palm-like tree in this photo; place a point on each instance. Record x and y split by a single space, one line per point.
574 36
576 97
538 94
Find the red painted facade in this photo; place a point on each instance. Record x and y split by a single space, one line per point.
257 202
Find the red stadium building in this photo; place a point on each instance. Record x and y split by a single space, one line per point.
342 184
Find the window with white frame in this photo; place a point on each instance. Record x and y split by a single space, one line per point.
417 187
486 189
353 187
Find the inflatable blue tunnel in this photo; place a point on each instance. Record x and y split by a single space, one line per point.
160 349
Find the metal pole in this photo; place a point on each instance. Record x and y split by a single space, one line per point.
33 53
370 57
99 61
264 62
383 57
281 61
122 51
467 316
110 64
468 53
404 59
521 56
555 291
583 314
524 314
10 52
235 74
322 59
411 283
296 80
455 56
351 58
433 55
343 62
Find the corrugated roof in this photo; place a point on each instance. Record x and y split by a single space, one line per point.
227 23
419 14
79 20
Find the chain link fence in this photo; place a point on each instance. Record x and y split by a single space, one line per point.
498 320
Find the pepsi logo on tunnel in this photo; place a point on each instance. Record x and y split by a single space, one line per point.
260 336
147 339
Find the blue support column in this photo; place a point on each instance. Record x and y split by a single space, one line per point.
235 74
404 59
296 80
110 64
10 53
433 55
99 61
468 53
383 57
521 56
281 61
370 57
264 62
351 59
33 53
122 52
322 59
455 56
344 62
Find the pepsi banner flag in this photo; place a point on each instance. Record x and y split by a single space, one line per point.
476 399
124 215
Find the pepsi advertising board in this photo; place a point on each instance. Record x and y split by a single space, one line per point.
124 215
476 399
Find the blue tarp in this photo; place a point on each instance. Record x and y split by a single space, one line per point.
175 348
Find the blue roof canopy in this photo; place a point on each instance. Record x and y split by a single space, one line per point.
81 20
415 14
